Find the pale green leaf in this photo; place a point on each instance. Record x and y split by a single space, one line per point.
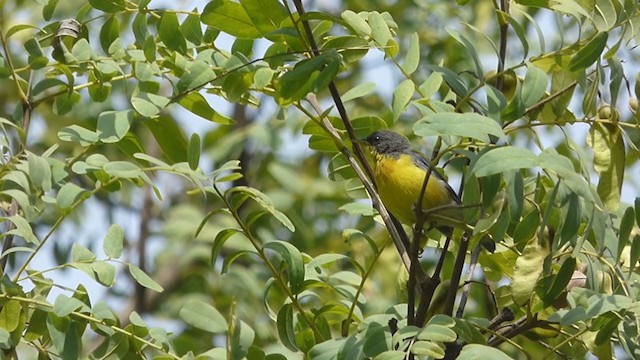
143 279
114 241
203 316
470 125
113 125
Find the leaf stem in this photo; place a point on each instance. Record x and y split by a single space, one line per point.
93 320
260 251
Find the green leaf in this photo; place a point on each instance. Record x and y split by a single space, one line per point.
452 79
357 23
122 169
203 316
520 32
140 28
634 253
266 15
381 33
589 53
230 17
529 267
218 242
143 279
48 83
391 355
169 31
470 125
263 201
113 125
98 91
295 263
76 133
64 305
434 332
571 222
149 105
607 143
626 225
401 96
80 253
560 281
10 315
82 50
23 201
109 32
359 91
197 104
20 27
39 171
22 229
263 76
62 104
306 76
68 195
150 49
501 159
113 241
534 85
104 272
481 352
193 151
427 348
196 75
412 58
285 327
109 6
169 137
339 169
191 28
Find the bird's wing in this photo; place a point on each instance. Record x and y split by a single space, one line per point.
423 163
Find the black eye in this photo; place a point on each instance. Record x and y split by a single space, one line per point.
377 138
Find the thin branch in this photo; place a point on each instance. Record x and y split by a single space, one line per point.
94 320
55 226
365 276
420 217
504 27
145 219
276 274
472 267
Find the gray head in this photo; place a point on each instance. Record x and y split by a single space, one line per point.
388 142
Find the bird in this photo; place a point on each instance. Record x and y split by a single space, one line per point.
399 173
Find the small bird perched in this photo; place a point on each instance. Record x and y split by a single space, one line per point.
399 173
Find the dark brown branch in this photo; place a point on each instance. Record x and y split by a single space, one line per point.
465 293
504 27
143 237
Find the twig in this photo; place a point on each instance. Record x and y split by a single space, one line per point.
145 219
472 267
420 217
263 256
505 315
456 274
504 27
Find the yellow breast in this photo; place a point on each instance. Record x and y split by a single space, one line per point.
399 182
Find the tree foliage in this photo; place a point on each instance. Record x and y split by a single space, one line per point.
158 201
